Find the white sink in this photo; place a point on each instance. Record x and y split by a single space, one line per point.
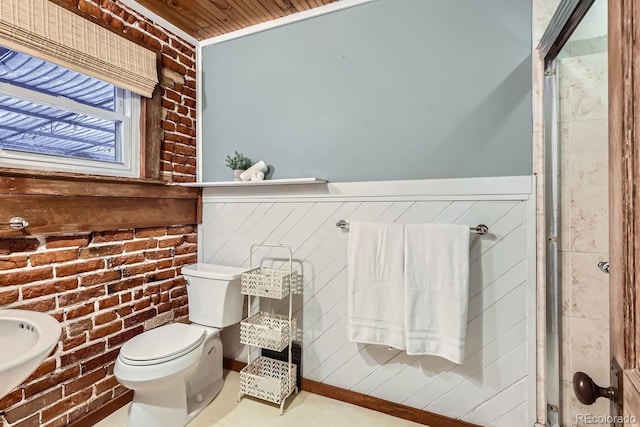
26 339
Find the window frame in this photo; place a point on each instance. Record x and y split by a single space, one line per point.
128 140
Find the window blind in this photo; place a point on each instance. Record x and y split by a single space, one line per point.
50 32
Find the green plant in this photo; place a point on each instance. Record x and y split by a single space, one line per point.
238 161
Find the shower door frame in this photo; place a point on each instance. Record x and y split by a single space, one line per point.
563 23
624 191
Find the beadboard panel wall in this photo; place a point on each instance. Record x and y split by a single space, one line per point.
495 386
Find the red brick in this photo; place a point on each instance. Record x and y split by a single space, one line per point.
69 343
139 318
51 381
101 277
80 296
100 401
32 421
163 307
79 267
82 353
66 241
125 259
79 327
164 263
9 246
170 241
107 384
101 251
33 406
48 288
102 318
125 284
112 236
139 305
61 421
165 104
125 336
43 305
108 302
64 405
186 249
8 263
151 290
84 382
137 245
29 275
53 257
99 361
173 65
160 275
177 292
159 254
10 399
185 259
151 232
135 270
83 310
7 297
168 126
103 331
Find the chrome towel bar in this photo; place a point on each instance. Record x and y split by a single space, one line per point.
478 229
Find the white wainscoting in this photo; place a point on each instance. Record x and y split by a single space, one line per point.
495 386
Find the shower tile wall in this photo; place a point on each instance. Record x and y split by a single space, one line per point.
584 226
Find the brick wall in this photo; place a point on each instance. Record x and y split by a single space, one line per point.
105 287
177 78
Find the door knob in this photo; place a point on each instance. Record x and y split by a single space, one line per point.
587 391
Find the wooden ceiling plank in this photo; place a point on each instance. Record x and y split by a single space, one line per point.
236 14
174 12
286 6
274 7
300 5
259 10
242 10
220 10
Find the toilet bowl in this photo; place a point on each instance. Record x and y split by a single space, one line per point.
175 370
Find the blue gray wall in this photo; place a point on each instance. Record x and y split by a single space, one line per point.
394 89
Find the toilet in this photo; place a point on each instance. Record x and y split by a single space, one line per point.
175 370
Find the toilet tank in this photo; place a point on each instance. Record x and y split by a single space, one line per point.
213 293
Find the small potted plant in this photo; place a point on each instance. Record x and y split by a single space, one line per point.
238 163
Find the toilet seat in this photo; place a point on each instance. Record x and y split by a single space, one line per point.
162 344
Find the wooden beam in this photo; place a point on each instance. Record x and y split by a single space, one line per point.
71 214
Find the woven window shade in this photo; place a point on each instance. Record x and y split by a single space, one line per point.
50 32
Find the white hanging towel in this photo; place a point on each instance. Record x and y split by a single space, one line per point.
436 278
375 303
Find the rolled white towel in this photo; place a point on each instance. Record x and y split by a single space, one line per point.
258 167
258 176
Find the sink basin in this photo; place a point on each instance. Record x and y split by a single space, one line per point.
26 339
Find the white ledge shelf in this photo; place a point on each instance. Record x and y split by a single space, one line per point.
287 181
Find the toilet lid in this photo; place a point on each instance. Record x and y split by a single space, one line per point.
162 344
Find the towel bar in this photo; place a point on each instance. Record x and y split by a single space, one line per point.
478 229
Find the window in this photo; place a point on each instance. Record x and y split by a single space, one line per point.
53 118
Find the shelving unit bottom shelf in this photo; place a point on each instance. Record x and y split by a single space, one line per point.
268 379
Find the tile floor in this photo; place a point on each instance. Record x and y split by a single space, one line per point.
304 410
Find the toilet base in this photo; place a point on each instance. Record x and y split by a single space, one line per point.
169 407
175 399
